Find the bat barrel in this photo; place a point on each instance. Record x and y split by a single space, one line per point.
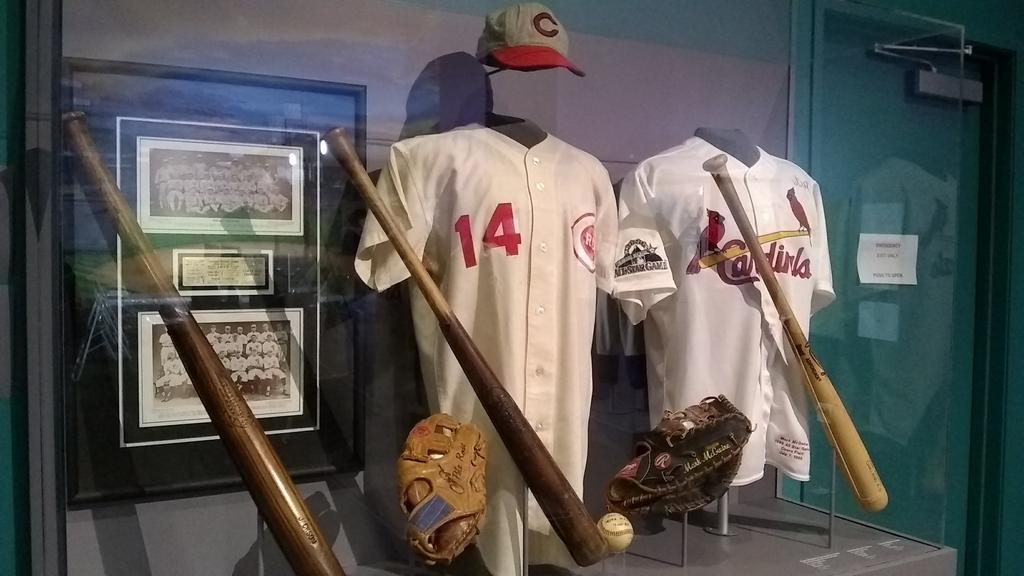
276 497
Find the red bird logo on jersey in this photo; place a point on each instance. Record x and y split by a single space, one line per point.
798 210
709 239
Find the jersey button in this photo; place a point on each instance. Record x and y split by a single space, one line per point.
540 310
540 186
536 161
539 371
543 246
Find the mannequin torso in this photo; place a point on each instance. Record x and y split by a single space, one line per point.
732 141
523 131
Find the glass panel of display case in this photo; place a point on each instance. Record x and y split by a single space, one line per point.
886 146
602 217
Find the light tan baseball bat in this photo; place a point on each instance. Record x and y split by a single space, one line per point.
276 496
556 497
853 456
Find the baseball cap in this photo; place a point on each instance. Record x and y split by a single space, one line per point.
525 37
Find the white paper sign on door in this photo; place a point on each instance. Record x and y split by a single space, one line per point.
887 259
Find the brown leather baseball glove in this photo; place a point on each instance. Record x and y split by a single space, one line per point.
441 477
686 462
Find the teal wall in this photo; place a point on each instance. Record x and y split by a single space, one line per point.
14 542
745 29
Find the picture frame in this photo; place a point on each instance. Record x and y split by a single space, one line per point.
216 187
264 133
263 360
220 272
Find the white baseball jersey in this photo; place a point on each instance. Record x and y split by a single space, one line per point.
238 364
519 240
271 362
682 264
270 347
253 348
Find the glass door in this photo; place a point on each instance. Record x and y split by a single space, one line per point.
886 141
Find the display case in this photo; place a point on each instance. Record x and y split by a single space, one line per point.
665 279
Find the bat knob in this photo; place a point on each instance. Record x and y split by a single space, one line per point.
340 144
336 133
72 116
715 163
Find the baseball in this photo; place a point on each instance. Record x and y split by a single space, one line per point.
617 531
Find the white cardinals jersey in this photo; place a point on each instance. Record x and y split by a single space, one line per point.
519 240
682 264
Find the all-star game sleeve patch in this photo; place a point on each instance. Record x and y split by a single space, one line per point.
639 256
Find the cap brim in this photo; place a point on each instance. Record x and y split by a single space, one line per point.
528 58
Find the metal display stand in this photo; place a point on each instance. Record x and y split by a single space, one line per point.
721 527
102 330
662 548
259 543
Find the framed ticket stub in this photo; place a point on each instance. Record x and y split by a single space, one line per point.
200 272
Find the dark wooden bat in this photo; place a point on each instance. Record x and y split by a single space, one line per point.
556 498
272 489
853 456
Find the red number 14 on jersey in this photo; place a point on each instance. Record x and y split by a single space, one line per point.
500 232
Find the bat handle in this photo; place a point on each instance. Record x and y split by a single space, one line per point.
341 147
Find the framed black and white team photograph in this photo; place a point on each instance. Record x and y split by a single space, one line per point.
203 178
209 187
262 350
226 177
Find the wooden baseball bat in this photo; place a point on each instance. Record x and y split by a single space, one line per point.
272 489
554 494
853 456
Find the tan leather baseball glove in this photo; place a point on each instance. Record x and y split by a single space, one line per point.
441 478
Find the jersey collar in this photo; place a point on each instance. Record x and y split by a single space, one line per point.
765 167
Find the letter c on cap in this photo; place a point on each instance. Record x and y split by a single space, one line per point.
549 32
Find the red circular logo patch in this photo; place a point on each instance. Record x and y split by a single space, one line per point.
587 240
584 240
420 430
